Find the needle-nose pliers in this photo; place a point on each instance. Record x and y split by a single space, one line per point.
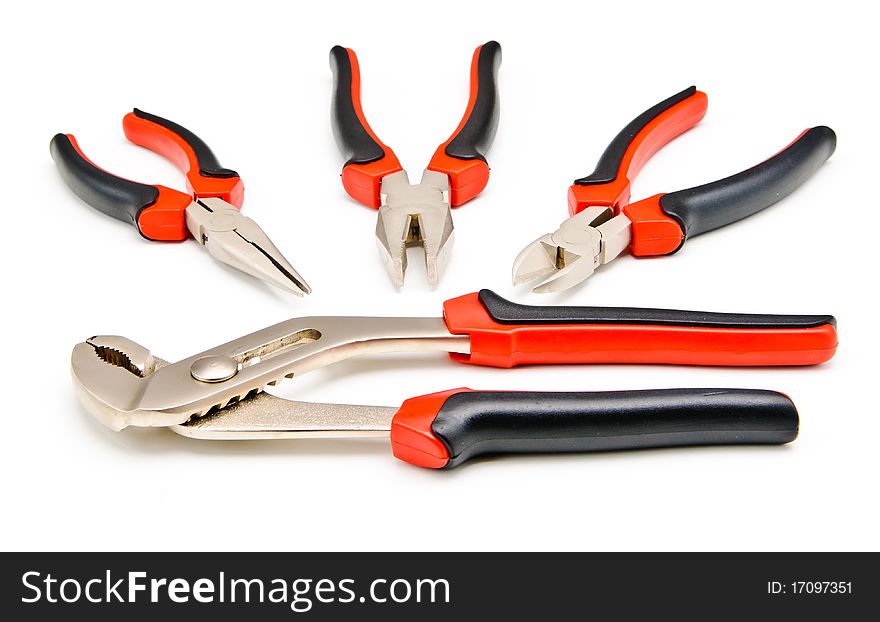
209 212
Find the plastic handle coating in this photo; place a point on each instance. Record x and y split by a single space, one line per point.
115 196
462 157
722 202
367 159
662 223
609 184
156 211
189 153
505 334
444 430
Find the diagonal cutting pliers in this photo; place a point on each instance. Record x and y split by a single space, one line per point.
415 214
219 393
209 212
604 223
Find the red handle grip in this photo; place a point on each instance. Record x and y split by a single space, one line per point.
446 429
204 175
625 156
461 157
504 334
412 436
368 159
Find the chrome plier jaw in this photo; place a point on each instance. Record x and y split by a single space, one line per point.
123 384
572 253
236 240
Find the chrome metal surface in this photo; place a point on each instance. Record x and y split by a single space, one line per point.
109 376
266 416
412 215
571 254
123 385
238 241
214 368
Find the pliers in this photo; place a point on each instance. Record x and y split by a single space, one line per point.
219 393
209 212
604 223
415 214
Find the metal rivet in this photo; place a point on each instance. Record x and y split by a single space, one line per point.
214 368
224 221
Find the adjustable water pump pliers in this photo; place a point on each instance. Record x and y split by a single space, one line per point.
218 394
209 211
416 214
603 222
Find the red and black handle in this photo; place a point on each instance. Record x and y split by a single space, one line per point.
205 176
461 157
610 183
156 211
663 222
505 334
367 159
443 430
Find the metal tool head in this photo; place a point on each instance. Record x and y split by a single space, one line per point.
238 241
110 374
123 385
412 215
267 417
572 253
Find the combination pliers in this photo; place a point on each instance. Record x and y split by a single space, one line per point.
415 214
604 223
209 211
219 393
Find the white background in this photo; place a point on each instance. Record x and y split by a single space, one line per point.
253 80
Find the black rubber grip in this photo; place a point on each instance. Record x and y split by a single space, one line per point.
609 164
474 423
722 202
209 166
477 133
355 142
503 311
115 196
